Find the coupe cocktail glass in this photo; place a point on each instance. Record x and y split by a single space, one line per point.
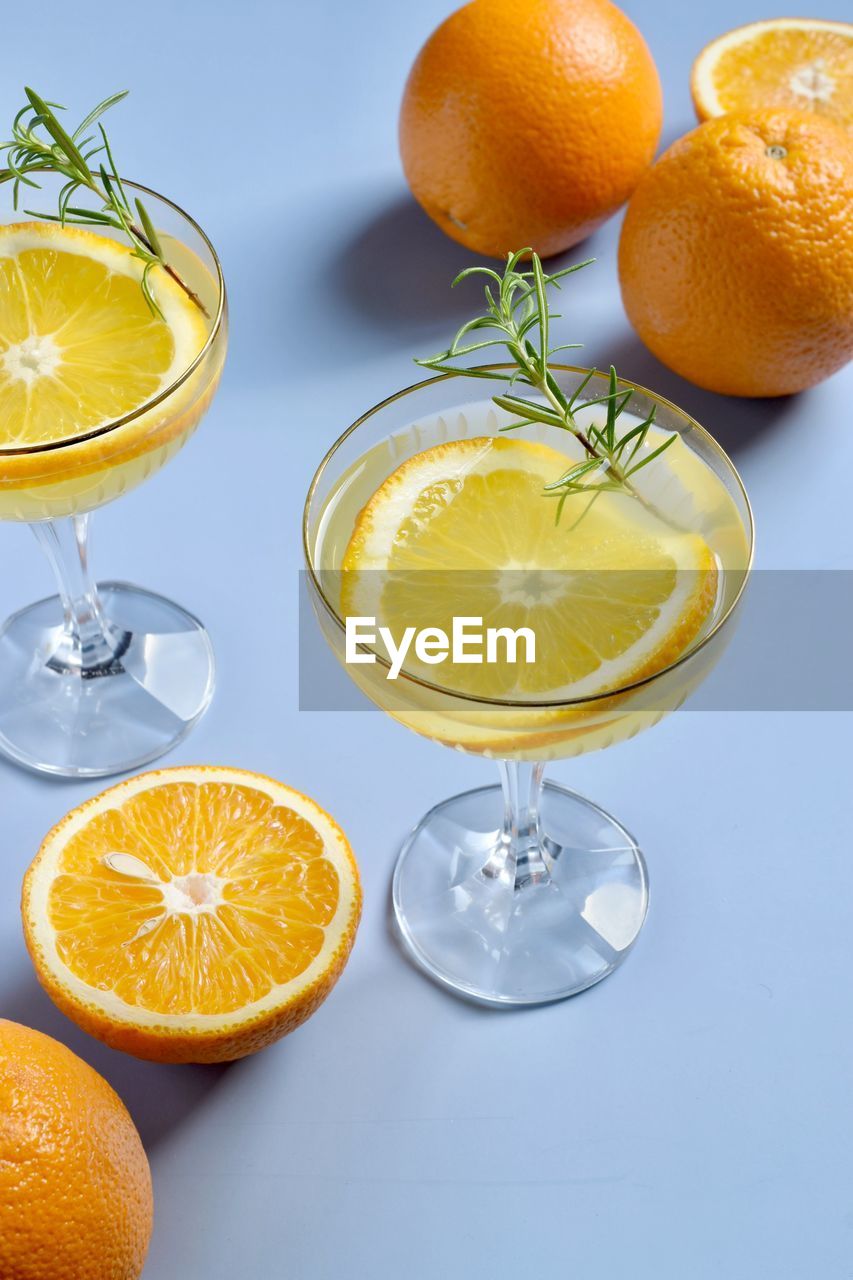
105 678
524 892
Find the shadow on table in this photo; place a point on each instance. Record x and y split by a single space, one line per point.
158 1096
396 272
736 422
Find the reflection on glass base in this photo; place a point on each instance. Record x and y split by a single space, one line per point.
121 714
496 939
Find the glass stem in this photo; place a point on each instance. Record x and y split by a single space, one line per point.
88 644
522 855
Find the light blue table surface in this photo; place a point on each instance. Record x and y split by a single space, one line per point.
689 1118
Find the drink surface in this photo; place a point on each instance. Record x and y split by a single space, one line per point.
80 351
450 517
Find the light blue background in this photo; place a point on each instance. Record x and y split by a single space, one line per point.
689 1119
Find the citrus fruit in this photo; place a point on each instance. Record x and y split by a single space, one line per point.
529 124
801 63
736 254
192 914
79 346
75 1187
610 599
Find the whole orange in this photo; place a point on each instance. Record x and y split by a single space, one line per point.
736 255
529 123
75 1188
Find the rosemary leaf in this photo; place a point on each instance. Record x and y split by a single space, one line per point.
532 412
98 111
40 143
150 232
517 311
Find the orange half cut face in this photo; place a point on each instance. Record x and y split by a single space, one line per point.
192 914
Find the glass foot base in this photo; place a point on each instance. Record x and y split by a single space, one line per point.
477 931
121 715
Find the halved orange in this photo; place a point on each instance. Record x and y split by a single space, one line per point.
193 914
801 63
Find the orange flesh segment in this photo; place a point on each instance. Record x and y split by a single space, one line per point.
805 68
253 897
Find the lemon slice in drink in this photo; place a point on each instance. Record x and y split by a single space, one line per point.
610 599
79 346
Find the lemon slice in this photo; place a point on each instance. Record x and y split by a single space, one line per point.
800 63
192 914
616 597
79 346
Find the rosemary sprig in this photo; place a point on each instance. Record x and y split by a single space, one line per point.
517 317
40 143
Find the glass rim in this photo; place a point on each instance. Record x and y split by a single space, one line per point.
527 703
107 428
